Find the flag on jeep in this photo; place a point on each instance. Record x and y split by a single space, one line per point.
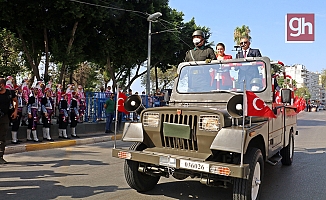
121 101
254 106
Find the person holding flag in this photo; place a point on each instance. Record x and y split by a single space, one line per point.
120 108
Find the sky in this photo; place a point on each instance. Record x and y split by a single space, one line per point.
266 20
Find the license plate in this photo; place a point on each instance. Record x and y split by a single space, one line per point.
199 166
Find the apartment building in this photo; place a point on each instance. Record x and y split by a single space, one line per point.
306 78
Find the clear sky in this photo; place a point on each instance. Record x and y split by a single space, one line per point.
266 20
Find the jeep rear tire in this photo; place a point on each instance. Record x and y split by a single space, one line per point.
247 189
287 152
137 180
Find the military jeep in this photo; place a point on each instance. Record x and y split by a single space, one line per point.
203 132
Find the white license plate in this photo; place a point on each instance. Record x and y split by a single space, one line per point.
199 166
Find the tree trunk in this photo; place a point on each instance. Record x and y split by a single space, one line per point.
28 56
112 74
46 48
72 37
156 80
71 78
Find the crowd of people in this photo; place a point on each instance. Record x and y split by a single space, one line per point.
37 105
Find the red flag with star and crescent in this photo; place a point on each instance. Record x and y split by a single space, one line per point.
254 106
121 101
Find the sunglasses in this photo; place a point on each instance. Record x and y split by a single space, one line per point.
246 42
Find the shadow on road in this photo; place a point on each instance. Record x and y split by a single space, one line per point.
302 180
312 122
48 190
58 163
191 189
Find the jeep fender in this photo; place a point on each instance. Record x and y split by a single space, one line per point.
133 132
228 140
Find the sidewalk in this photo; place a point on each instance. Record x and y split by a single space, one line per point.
88 133
89 138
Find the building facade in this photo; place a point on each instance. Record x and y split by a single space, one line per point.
306 78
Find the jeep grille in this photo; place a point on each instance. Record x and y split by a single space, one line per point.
180 143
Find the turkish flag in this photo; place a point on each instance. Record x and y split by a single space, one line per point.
254 106
121 101
277 97
302 104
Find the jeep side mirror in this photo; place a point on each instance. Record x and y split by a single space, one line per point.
286 96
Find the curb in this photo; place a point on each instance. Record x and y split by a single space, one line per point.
58 144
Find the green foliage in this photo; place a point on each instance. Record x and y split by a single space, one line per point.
276 68
10 58
243 31
165 79
286 84
115 41
303 92
323 78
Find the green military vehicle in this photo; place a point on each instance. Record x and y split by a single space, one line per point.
203 133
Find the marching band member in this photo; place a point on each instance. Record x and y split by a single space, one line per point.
63 116
47 112
10 83
32 109
82 102
39 86
59 91
16 122
74 114
48 87
25 95
69 91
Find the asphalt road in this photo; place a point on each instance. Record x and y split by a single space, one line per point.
89 172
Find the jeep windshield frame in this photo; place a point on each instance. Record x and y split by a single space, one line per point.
226 77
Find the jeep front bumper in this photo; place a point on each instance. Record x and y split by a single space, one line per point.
182 162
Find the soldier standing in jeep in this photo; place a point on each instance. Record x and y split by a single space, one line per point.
200 52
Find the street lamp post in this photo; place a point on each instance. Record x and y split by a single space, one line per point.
150 18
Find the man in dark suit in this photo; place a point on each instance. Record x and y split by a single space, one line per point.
247 73
246 51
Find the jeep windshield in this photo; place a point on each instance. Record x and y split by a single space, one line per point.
223 77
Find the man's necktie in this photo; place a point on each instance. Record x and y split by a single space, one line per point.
245 53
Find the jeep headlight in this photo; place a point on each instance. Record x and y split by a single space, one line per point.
151 119
209 122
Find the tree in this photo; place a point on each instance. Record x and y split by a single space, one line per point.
276 68
303 92
323 78
10 59
113 40
239 32
165 79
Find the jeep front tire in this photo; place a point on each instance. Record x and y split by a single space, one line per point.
137 180
247 189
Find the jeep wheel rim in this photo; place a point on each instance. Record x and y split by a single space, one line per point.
255 182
